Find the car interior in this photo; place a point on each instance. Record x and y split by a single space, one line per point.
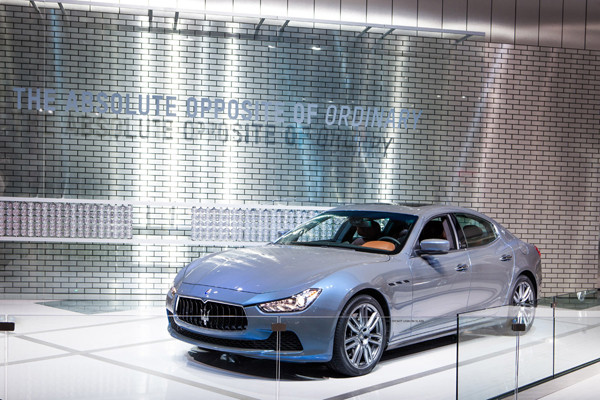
369 232
439 228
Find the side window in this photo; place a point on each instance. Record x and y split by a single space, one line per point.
475 231
439 228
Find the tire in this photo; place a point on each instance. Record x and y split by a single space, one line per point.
360 337
522 300
523 293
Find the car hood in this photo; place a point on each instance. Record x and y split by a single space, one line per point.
273 268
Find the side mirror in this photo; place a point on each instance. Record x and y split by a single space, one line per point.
281 233
434 246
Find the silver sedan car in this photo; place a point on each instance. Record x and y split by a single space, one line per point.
351 283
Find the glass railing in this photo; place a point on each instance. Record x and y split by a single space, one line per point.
505 348
3 355
91 352
501 348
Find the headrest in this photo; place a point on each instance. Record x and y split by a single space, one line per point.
472 232
371 231
433 230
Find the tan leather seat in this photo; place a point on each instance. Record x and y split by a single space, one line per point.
380 244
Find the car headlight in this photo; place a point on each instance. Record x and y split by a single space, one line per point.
298 302
173 290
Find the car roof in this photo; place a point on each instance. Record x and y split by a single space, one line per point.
421 210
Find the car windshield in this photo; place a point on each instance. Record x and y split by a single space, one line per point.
369 231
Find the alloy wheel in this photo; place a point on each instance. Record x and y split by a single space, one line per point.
523 293
363 339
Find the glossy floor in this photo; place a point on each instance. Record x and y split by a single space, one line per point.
95 350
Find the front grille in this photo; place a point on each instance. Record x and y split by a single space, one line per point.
289 340
211 315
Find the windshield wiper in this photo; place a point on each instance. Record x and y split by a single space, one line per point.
315 243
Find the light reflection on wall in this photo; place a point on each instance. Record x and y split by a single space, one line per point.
174 150
145 185
230 154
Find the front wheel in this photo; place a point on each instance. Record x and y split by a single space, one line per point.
360 337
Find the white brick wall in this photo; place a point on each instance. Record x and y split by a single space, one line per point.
511 131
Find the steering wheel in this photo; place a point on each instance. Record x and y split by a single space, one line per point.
391 240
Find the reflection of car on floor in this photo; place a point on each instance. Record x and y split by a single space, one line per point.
351 283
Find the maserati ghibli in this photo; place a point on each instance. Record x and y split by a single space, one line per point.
351 283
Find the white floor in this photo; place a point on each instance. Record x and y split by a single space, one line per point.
127 354
581 385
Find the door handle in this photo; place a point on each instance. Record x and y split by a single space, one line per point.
506 257
461 267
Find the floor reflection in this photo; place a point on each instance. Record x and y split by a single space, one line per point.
240 365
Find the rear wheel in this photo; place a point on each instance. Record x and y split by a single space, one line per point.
523 293
359 338
523 298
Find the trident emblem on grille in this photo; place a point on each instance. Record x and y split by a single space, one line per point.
204 313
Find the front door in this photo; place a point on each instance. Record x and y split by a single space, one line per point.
441 282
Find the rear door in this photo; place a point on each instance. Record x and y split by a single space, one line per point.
492 261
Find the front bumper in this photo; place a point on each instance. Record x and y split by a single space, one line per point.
288 341
306 338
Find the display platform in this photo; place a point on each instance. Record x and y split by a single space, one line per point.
122 350
119 351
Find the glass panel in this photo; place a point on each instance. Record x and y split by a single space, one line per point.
488 349
422 370
536 345
486 354
577 329
134 356
310 380
3 360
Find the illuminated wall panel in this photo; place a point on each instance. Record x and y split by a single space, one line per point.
510 130
65 220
